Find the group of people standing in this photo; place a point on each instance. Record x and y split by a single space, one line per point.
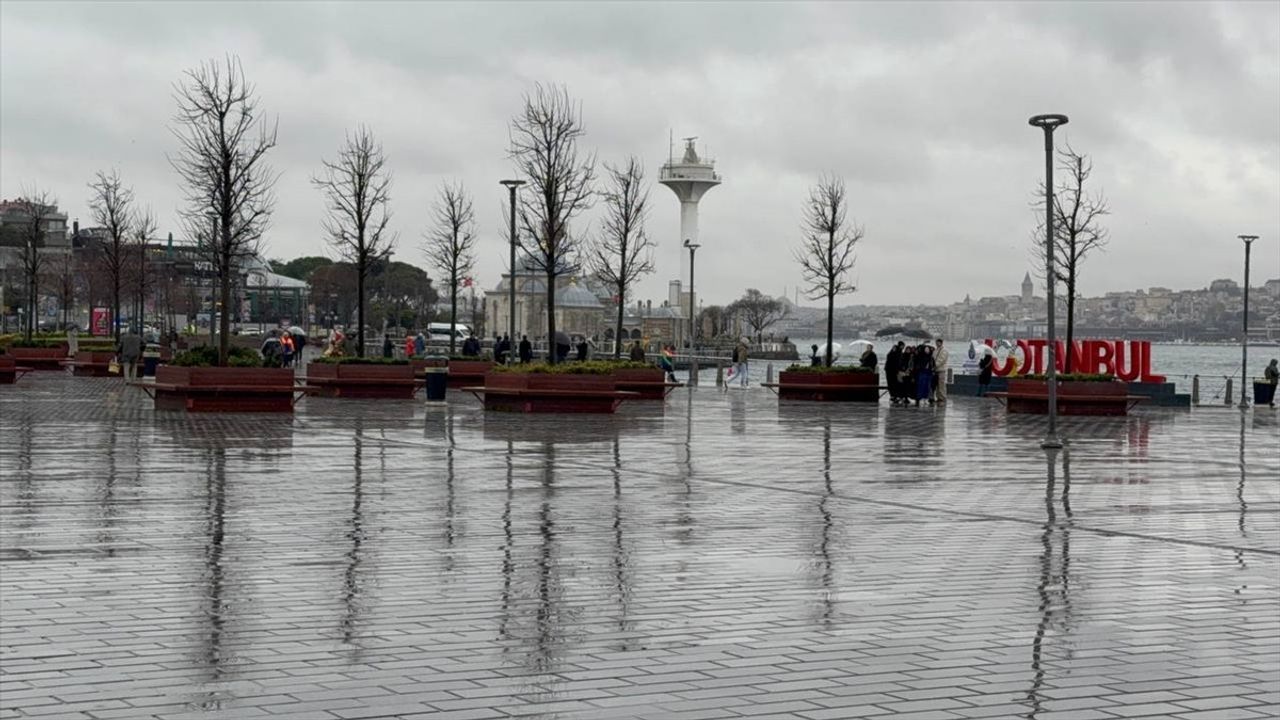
282 349
502 349
916 373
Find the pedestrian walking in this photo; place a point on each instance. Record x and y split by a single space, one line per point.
129 350
666 363
637 352
741 360
409 345
502 349
286 349
420 344
984 373
526 349
583 349
387 348
272 353
940 372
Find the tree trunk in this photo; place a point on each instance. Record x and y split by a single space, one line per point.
360 270
1071 323
831 303
617 333
224 321
551 319
115 308
453 313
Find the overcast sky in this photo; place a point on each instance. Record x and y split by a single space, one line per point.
921 108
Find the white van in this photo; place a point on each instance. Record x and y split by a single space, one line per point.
440 331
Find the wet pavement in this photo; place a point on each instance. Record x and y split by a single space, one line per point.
717 556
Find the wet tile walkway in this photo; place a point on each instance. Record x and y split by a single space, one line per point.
719 556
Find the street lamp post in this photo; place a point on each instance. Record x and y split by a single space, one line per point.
1049 123
512 185
693 247
1244 342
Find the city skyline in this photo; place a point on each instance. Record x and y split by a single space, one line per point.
921 109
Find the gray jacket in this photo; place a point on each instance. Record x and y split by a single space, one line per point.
130 348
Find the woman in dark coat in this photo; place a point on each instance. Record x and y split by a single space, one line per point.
922 365
891 360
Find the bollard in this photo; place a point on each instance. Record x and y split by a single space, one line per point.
768 373
1195 390
1226 396
951 378
693 372
719 374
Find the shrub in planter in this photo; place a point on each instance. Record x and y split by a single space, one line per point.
353 377
1077 394
564 387
205 356
834 383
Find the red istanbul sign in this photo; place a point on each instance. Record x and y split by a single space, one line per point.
1128 360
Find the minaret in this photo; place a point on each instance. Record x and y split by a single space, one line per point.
689 179
1028 289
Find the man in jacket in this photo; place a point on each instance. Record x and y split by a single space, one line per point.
129 349
526 349
940 373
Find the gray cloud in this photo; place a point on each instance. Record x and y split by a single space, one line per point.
921 107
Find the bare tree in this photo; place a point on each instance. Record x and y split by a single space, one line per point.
544 146
451 245
1077 231
623 253
827 253
758 310
32 207
357 187
221 159
144 226
112 209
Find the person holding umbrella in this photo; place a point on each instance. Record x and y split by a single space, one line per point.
299 340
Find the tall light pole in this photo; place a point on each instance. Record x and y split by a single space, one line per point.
1049 123
693 307
1244 343
512 185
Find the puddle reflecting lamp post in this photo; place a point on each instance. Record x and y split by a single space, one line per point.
512 185
1049 123
1244 342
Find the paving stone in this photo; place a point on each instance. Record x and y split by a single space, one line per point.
712 556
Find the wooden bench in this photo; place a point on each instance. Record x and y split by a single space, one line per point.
11 375
262 398
539 400
819 391
649 390
1090 404
358 387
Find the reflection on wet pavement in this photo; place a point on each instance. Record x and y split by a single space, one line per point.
714 556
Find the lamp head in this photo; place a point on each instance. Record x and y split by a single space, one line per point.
512 184
1050 121
1247 238
691 244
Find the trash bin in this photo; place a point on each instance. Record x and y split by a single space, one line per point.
1264 393
150 359
437 376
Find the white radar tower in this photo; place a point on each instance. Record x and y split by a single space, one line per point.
689 178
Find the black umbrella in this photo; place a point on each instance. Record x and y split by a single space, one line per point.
562 338
891 330
918 333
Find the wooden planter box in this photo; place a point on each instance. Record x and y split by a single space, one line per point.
361 381
92 363
534 393
8 370
829 387
1031 397
49 358
223 389
647 383
464 373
